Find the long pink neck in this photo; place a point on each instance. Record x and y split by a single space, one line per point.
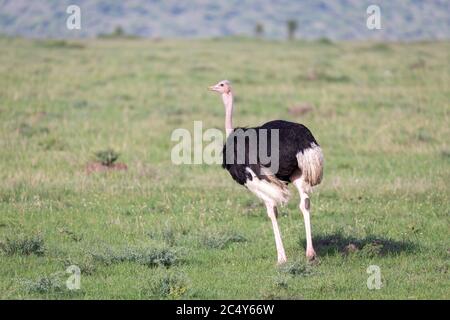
228 103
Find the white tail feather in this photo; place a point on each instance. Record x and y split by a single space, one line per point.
310 162
271 190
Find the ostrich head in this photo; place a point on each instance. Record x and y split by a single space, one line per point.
221 87
224 88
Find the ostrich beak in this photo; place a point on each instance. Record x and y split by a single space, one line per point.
214 88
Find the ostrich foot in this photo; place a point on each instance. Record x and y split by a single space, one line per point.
311 255
281 260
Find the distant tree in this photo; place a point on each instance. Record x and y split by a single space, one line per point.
118 32
259 30
291 28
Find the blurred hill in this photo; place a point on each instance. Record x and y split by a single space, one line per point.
333 19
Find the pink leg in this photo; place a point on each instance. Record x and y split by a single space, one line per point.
305 209
272 213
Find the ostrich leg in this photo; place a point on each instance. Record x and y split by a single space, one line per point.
305 209
272 213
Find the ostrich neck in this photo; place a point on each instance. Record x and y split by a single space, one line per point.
228 103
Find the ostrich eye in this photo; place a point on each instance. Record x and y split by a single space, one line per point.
221 84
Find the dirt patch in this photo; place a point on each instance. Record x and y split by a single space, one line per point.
301 109
420 64
93 167
350 248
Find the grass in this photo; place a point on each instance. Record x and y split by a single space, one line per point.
160 231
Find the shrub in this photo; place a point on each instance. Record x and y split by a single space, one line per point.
45 284
86 264
52 143
72 235
221 240
169 286
382 47
107 157
59 44
281 281
155 257
23 245
150 257
296 268
325 41
371 250
166 234
28 131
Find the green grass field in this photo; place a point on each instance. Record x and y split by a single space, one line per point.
159 231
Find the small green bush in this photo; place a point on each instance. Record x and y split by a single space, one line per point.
86 264
381 47
173 285
107 157
150 257
281 281
28 131
325 41
23 245
371 250
296 268
221 240
59 44
168 234
45 284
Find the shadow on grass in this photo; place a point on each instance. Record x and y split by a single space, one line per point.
371 245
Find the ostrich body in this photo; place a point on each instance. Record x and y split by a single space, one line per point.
300 161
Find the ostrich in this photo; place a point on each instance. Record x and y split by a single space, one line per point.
300 161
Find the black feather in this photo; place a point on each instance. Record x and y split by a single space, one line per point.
293 138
